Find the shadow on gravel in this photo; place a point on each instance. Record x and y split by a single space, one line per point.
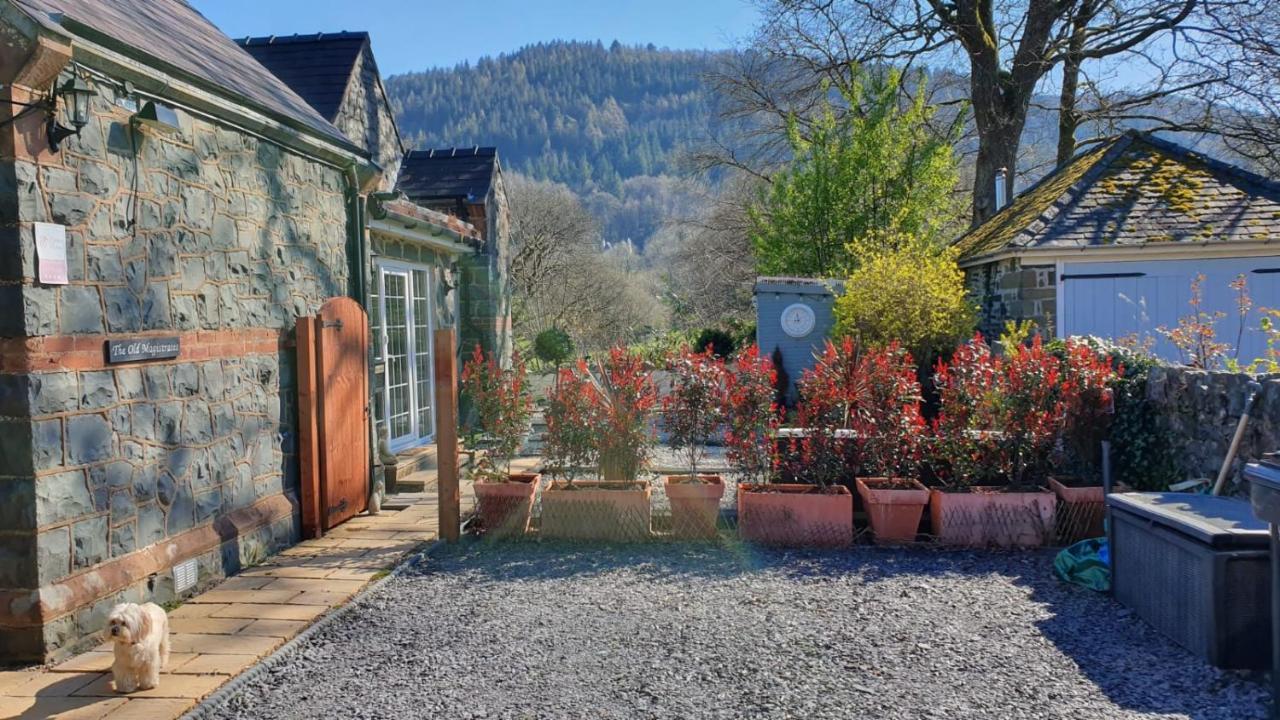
1134 666
1130 662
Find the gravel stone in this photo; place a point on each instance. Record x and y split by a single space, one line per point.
546 630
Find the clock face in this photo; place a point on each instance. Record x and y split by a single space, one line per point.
797 320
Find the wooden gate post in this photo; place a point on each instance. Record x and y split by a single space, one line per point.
309 435
446 371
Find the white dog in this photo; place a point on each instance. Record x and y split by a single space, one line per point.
141 637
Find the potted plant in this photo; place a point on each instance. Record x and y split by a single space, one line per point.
816 511
998 421
888 431
692 411
752 415
599 420
1088 377
503 407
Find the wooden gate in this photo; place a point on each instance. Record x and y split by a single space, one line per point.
333 409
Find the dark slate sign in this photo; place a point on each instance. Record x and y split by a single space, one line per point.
148 348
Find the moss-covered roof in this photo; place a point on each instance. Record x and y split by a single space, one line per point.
1133 190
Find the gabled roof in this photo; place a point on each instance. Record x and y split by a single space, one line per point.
173 37
1133 190
448 174
317 67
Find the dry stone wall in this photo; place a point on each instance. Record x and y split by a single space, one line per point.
1199 411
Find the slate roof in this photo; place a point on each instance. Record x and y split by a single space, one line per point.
1136 189
172 36
448 174
317 66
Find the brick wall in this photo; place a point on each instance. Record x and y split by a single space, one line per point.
1007 290
215 236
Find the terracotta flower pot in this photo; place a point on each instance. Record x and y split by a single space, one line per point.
1082 511
695 506
987 516
894 507
505 508
594 510
796 515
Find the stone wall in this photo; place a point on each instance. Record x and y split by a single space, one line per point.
1200 410
486 282
366 118
214 236
1007 290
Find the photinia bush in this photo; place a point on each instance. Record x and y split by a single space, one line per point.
693 409
889 427
624 396
1089 378
1000 418
752 416
503 407
830 402
572 421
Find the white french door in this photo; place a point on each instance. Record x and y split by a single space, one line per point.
402 322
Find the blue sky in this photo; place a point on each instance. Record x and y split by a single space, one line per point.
418 34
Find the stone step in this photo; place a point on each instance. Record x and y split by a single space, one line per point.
417 482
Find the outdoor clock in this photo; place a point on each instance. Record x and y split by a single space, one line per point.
797 320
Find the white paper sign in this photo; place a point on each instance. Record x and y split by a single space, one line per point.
51 253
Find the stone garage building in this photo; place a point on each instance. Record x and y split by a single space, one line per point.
1109 245
202 201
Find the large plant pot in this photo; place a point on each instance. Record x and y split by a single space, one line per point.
1082 509
894 507
506 507
695 506
988 516
592 510
795 515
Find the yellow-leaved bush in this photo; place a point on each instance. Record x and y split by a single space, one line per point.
909 290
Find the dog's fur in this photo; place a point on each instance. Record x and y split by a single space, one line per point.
140 634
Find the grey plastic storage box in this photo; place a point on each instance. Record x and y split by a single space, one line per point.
1196 568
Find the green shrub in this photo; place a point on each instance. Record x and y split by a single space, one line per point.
722 343
553 346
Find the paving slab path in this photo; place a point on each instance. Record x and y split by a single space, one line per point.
222 632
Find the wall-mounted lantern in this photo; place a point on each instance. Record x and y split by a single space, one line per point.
76 93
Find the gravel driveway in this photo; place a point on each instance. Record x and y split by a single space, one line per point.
675 631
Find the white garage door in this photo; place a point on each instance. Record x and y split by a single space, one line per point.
1126 299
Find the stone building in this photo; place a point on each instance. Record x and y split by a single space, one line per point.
467 183
437 257
1110 244
151 272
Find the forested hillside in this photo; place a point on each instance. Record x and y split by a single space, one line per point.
583 114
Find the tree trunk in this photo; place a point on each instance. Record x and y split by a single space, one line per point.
1068 115
999 111
997 149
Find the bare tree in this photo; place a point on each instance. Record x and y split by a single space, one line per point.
1238 47
562 279
1006 49
707 265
